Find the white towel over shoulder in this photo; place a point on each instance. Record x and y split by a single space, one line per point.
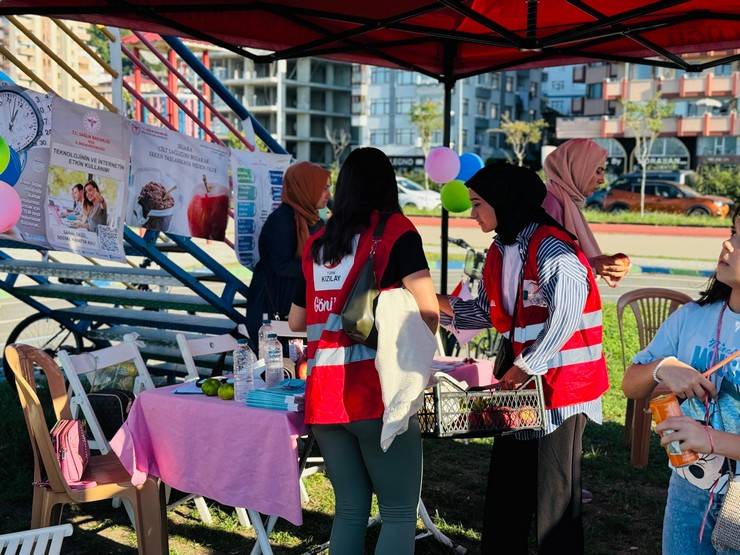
406 348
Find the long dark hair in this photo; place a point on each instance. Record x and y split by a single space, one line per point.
366 183
716 290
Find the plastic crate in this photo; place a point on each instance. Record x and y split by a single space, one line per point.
450 411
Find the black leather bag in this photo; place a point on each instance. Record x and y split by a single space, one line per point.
111 408
358 313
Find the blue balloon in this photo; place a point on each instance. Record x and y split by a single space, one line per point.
12 173
469 164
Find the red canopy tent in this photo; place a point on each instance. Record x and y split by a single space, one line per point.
445 39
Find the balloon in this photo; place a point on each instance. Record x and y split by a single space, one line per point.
455 196
469 164
442 164
4 154
10 207
12 173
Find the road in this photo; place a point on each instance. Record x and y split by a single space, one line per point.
686 252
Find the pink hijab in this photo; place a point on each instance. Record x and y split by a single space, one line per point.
569 170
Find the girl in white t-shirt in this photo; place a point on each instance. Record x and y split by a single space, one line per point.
691 340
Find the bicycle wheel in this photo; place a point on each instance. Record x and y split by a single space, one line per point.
45 333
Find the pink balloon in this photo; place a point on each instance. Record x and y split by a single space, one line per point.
442 164
10 207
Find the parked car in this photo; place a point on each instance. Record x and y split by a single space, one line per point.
664 196
684 177
595 201
411 194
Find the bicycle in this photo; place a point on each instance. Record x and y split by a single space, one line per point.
486 343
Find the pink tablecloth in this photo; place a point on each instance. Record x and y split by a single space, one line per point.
225 451
475 374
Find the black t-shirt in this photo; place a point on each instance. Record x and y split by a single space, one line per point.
407 257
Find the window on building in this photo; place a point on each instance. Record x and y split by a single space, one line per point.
403 105
405 77
342 75
506 113
379 107
481 108
405 136
466 106
465 137
557 85
509 83
494 110
480 136
437 137
579 74
379 76
594 91
533 89
724 69
557 105
642 72
492 140
545 77
484 79
495 81
379 138
356 74
425 80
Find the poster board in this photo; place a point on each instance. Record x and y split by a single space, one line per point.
178 184
257 179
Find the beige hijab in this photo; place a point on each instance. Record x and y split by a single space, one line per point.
569 170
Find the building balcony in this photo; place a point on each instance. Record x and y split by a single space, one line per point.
705 125
705 86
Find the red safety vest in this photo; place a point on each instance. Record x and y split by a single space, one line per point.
577 374
343 384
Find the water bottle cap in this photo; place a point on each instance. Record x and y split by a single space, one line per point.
265 318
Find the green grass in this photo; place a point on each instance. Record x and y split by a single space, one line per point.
597 216
625 516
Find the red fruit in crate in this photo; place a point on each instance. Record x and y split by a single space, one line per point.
528 416
508 418
208 212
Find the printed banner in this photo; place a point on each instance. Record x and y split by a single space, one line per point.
87 182
25 124
178 184
257 178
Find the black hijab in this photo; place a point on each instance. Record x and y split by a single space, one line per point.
515 193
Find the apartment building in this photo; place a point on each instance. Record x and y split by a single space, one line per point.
297 101
704 128
382 99
564 88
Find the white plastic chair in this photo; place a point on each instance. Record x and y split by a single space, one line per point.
39 541
87 364
75 366
211 345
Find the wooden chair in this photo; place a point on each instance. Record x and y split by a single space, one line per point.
110 478
35 541
651 306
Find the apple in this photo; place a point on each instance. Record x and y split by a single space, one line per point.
622 259
208 212
301 369
527 416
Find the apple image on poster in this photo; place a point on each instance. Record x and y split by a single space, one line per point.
208 211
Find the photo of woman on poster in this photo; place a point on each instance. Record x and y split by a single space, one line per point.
94 209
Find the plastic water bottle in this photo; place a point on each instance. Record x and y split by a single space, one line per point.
273 360
262 336
244 362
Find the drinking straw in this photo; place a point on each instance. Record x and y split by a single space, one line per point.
721 363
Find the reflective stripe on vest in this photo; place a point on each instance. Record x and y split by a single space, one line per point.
532 331
581 355
332 356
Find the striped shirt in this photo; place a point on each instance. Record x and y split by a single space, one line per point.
564 285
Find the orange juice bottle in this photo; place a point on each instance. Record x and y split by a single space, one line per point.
665 406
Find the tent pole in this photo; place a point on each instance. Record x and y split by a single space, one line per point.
449 83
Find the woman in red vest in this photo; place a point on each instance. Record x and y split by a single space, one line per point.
540 293
343 395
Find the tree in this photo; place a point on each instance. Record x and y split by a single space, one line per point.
520 133
339 140
427 117
645 120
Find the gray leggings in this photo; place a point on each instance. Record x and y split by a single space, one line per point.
357 467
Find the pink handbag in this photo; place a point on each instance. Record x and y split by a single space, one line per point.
71 449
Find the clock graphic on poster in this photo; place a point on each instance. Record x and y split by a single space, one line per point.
21 121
